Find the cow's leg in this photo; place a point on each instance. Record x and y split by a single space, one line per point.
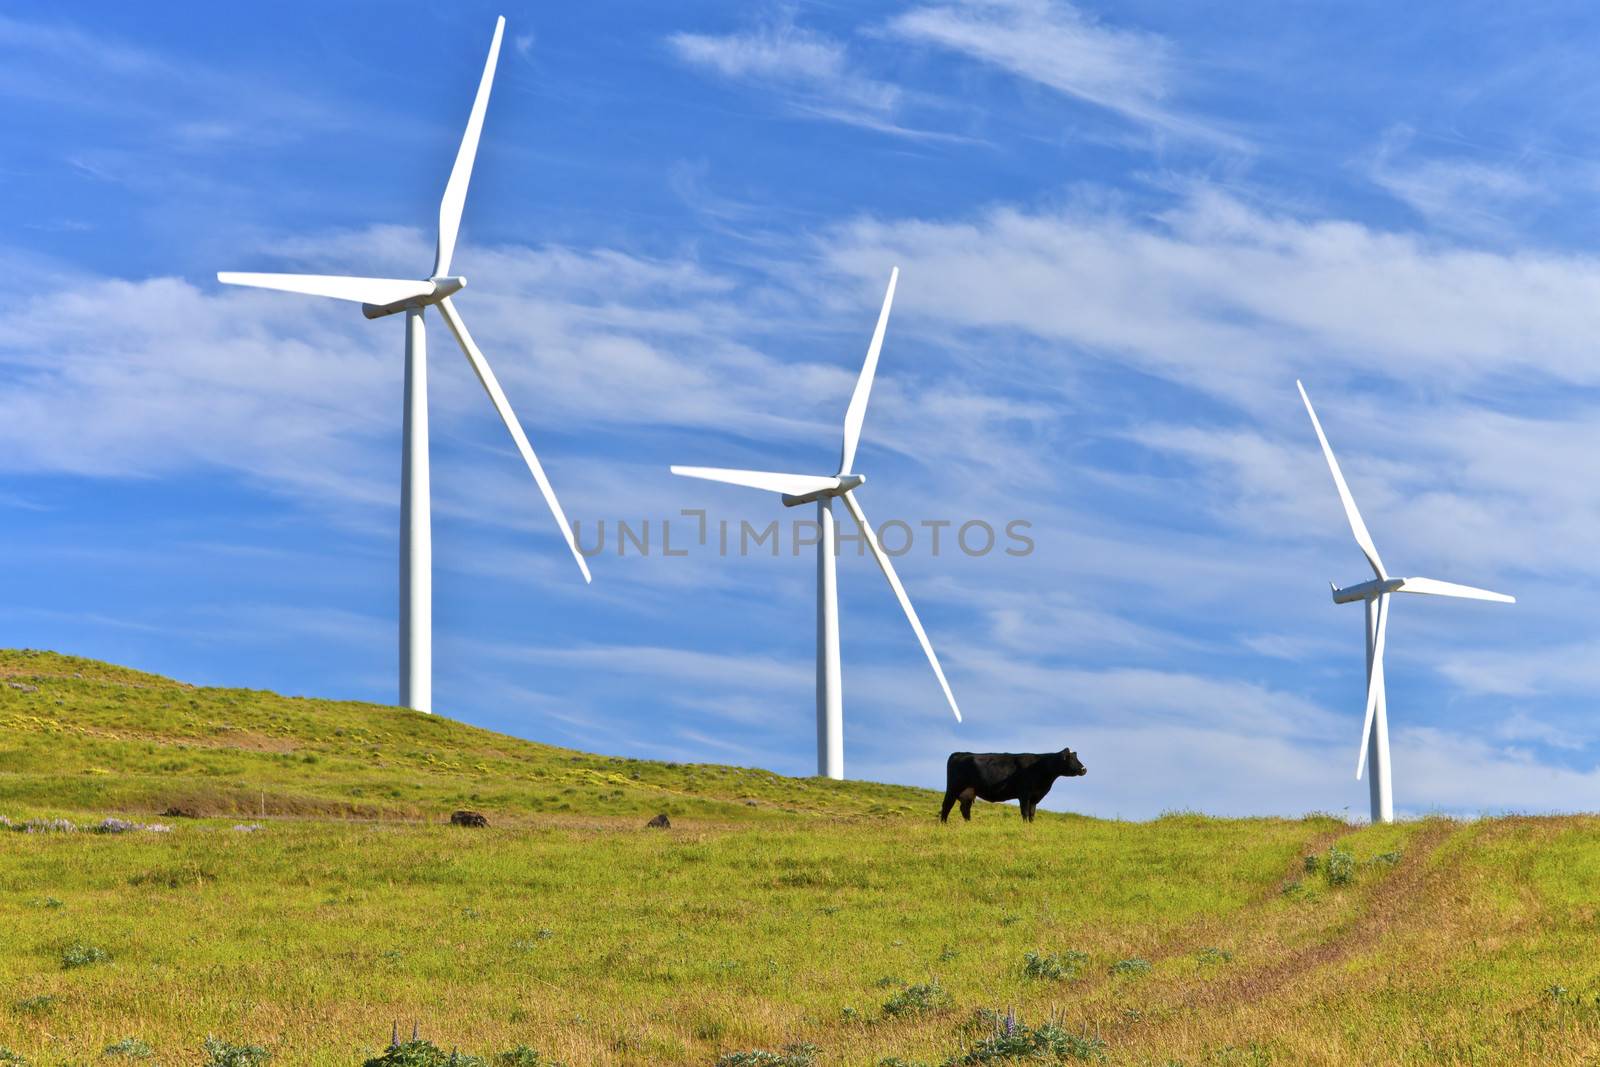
1027 809
949 802
967 797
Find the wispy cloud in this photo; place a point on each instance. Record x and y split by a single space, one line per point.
1454 194
1056 45
1223 296
181 105
1522 726
1570 668
785 53
812 73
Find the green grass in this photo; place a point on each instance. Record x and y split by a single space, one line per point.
776 915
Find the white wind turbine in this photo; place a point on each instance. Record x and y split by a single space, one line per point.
388 296
800 489
1375 594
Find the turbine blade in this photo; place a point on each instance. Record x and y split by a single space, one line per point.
791 484
900 595
856 413
1357 527
497 396
1374 682
338 286
1434 587
455 190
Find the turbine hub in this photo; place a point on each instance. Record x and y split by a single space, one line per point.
847 482
443 286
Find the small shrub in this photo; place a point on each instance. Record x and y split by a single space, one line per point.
44 902
130 1048
987 1021
423 1053
220 1053
35 1005
1340 867
798 1055
1014 1044
1312 862
16 1059
522 1056
1054 967
79 954
888 980
1066 1045
1012 1041
924 998
1214 955
1134 965
1386 859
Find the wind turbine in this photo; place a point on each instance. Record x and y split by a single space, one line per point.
1375 594
800 489
390 296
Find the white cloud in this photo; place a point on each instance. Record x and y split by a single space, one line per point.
118 378
781 53
178 106
813 74
1566 668
1524 727
1452 193
1056 45
1445 770
1221 296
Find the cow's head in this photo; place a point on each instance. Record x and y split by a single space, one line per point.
1071 766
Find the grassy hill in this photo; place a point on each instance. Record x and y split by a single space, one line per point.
90 736
828 923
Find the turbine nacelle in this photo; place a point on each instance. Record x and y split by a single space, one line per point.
1425 586
442 287
1369 590
846 482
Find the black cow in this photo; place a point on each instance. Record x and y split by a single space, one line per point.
997 776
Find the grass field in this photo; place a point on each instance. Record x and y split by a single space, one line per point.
776 912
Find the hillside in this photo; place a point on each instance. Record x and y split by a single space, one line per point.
828 923
90 736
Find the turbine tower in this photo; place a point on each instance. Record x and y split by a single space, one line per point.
390 296
1375 595
800 489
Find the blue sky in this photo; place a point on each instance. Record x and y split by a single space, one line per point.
1123 232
